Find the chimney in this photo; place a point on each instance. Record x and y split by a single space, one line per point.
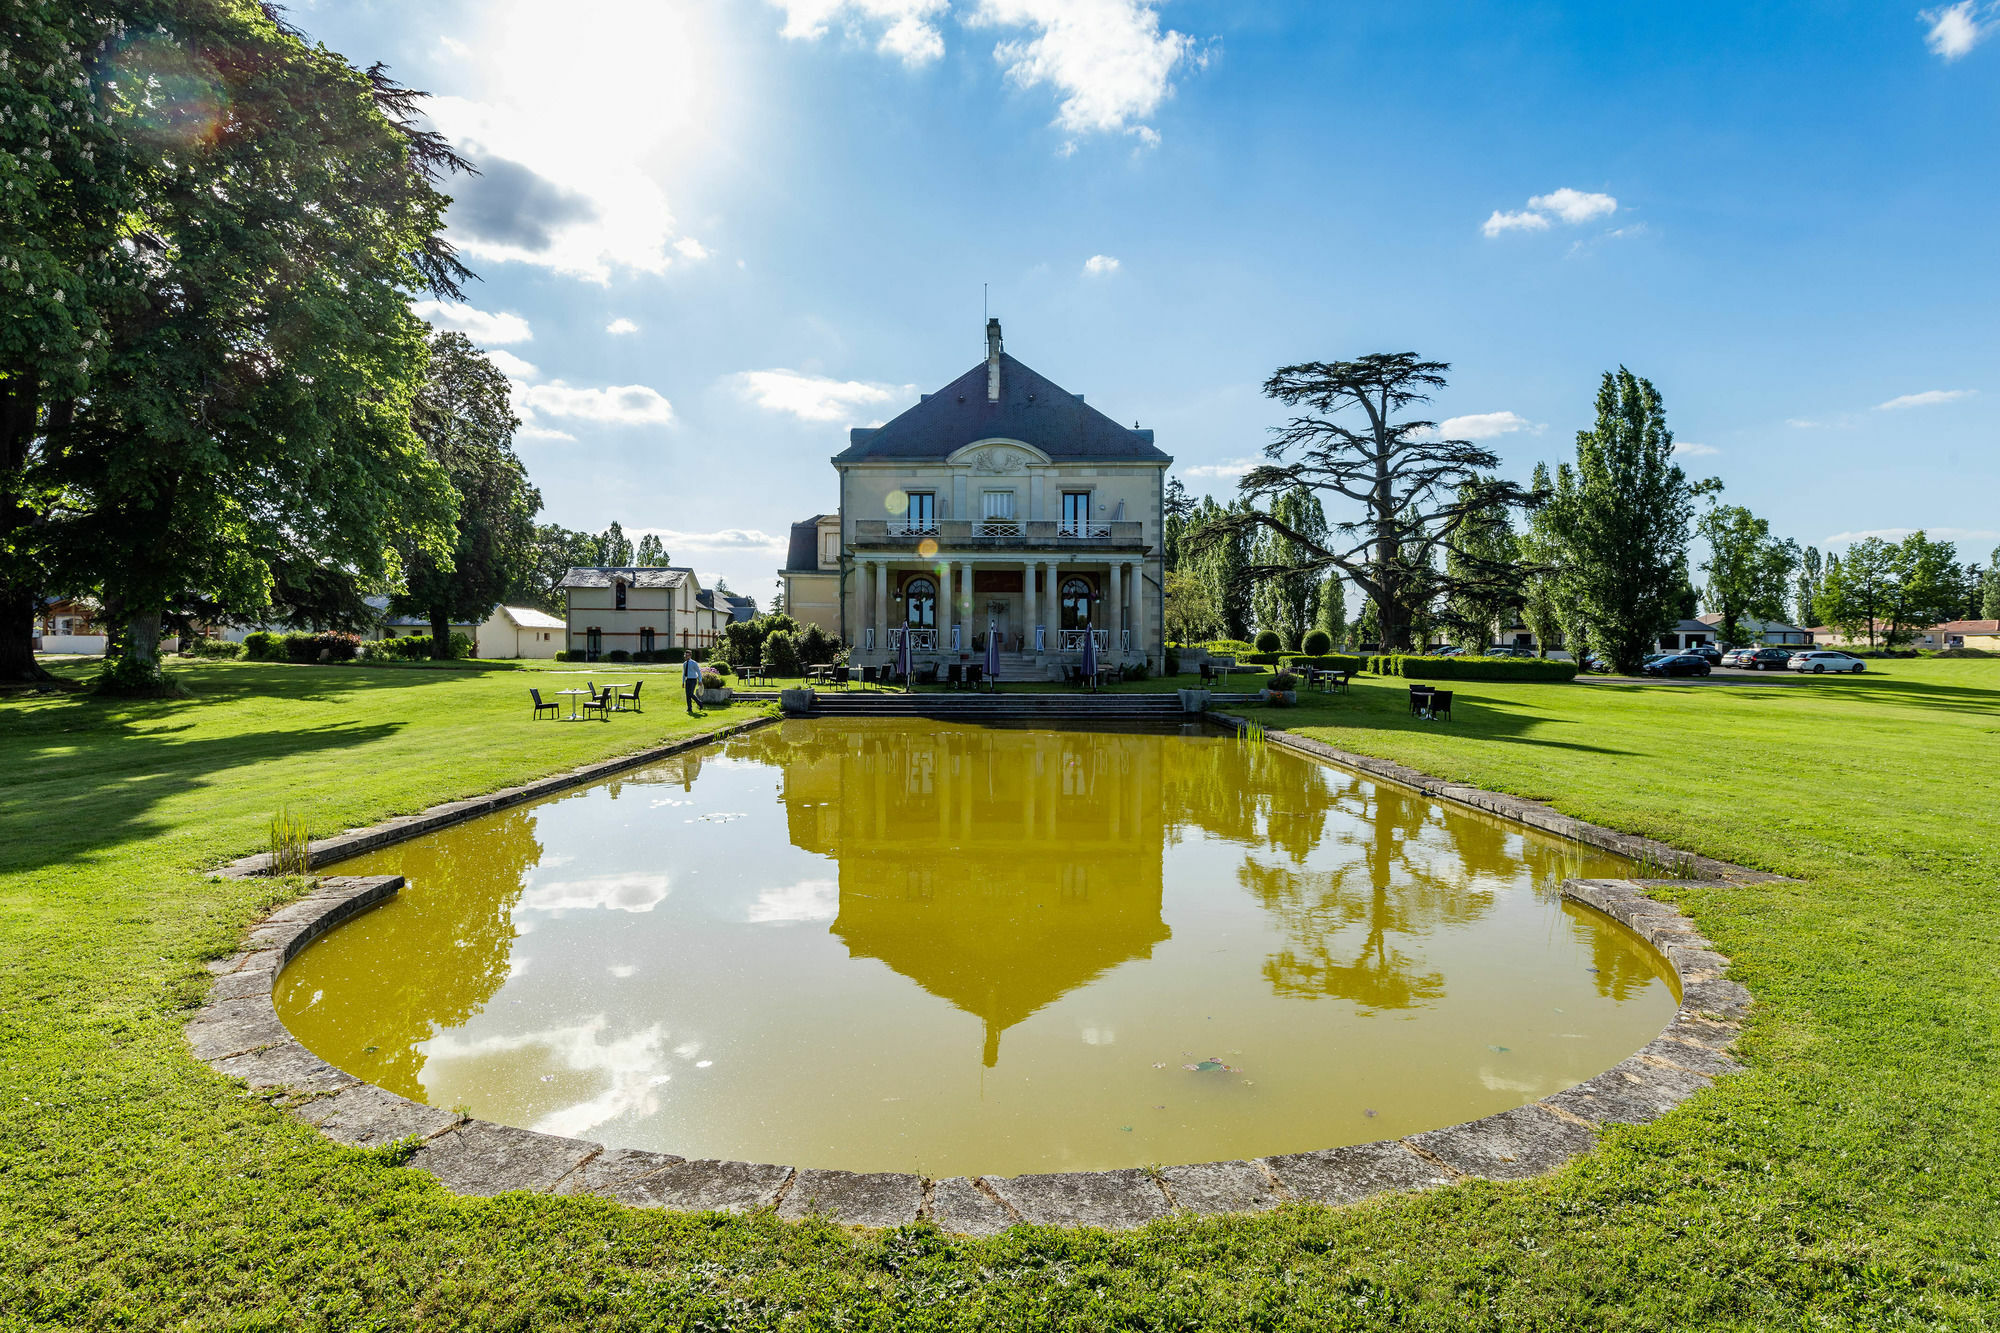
992 360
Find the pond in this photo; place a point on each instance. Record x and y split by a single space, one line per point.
882 945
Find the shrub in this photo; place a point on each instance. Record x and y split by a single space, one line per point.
781 653
1228 647
618 655
1139 672
211 648
263 646
1323 661
720 668
817 647
743 641
1421 667
129 678
1173 664
1261 659
462 647
321 647
1317 643
565 655
409 648
711 681
674 655
1284 680
1270 641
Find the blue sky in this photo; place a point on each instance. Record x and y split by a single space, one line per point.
713 234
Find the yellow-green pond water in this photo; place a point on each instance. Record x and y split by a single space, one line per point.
884 945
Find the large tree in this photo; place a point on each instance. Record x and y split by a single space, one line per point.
1749 571
1480 605
1621 516
652 552
1928 585
1289 603
1539 551
1177 507
1856 589
1989 588
1805 594
557 550
1216 552
462 416
256 386
1333 610
1416 490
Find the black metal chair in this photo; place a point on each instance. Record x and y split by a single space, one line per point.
1441 704
870 677
540 707
1207 675
840 674
974 674
954 676
633 697
600 702
1420 697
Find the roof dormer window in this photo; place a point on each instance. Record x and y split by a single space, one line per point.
620 593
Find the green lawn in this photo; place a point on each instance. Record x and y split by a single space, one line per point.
1848 1180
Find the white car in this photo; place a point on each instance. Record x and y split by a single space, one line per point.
1825 659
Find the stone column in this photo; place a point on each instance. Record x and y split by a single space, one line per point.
1028 608
1142 634
947 603
1115 620
881 606
969 614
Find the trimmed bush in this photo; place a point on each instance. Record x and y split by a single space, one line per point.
1420 667
1270 641
1322 661
263 646
711 681
211 648
1317 643
781 653
409 648
1227 647
1138 672
1283 680
1262 659
618 655
719 668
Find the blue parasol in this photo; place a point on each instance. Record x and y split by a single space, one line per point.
992 655
903 660
1090 655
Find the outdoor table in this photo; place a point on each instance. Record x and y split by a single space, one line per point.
572 705
820 673
618 699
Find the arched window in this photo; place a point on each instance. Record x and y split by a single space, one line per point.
920 604
1075 604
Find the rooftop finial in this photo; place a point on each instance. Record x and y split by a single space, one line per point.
993 360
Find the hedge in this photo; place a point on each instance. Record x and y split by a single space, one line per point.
1420 667
264 646
1321 661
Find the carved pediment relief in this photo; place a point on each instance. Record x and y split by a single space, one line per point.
997 460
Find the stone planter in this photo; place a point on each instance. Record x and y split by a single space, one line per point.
1193 701
1281 698
795 703
712 698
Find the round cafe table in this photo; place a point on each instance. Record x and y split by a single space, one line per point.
572 704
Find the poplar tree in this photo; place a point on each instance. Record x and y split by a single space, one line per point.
1989 597
652 552
1289 602
1176 508
1486 543
1622 516
1806 587
1333 609
1539 552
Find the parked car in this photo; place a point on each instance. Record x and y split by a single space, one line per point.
1817 660
1676 664
1769 659
1738 657
1449 650
1507 650
1708 653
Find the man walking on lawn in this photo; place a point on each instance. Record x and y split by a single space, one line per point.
690 678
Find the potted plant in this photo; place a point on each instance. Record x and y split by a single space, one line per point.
713 691
1283 691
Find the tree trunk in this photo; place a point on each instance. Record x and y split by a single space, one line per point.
142 638
17 636
440 634
18 606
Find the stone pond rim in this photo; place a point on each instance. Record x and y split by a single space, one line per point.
239 1034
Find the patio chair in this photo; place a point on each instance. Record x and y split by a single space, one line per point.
598 701
1420 698
1441 704
1207 674
840 674
633 697
870 677
974 674
954 676
554 710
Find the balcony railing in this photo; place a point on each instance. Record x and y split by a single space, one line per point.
1002 534
921 640
1071 640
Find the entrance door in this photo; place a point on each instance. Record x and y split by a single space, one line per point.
999 614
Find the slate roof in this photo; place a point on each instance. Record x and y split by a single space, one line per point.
802 557
1032 409
637 576
1968 627
527 617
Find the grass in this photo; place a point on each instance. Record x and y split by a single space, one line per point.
1846 1181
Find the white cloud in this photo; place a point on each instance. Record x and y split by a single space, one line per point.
908 27
808 900
813 397
615 405
1928 398
573 160
513 367
1106 59
621 326
1956 29
639 892
1574 206
549 434
1500 222
687 247
1484 426
723 539
1099 266
481 326
1220 471
1689 449
1945 534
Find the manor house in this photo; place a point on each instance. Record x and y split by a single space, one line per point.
1002 504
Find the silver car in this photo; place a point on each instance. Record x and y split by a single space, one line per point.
1825 659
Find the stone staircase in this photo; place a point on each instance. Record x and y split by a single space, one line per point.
1064 708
